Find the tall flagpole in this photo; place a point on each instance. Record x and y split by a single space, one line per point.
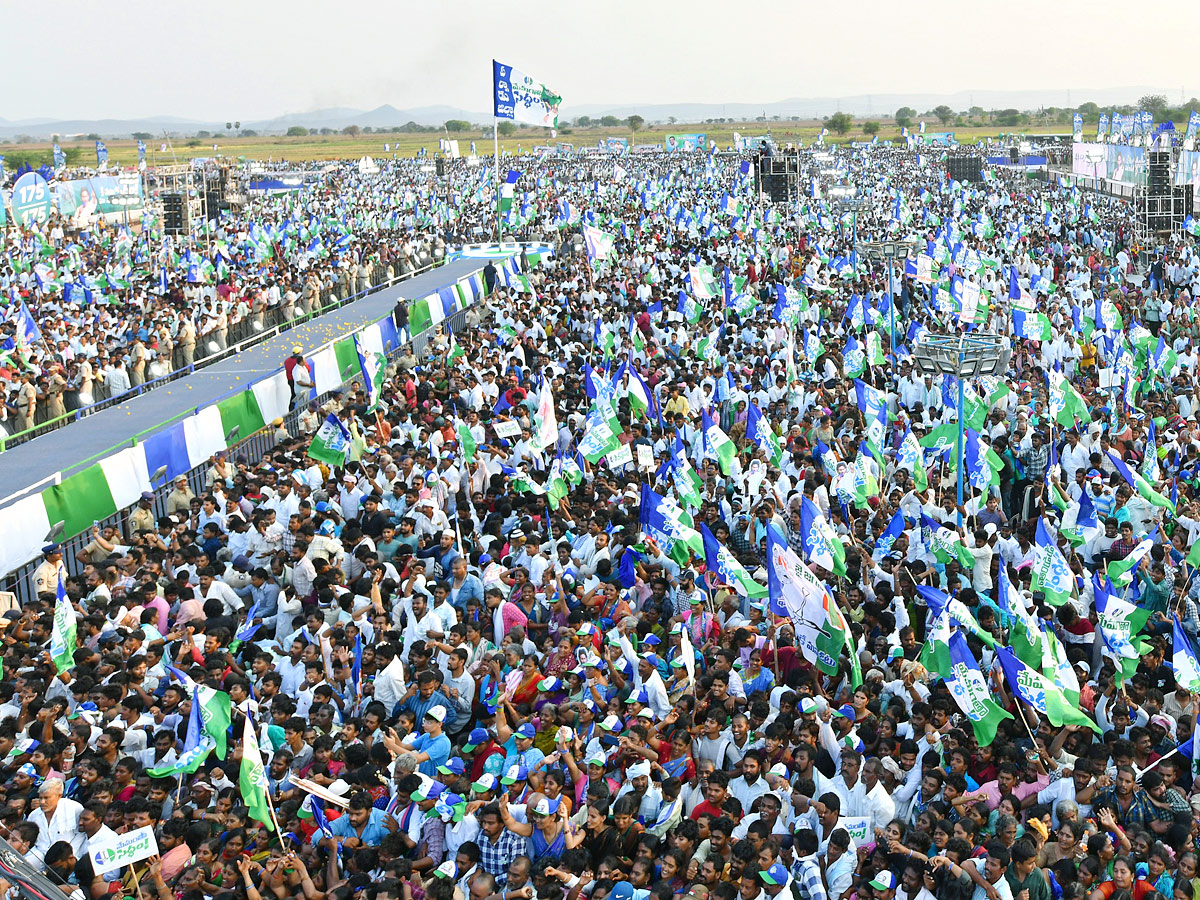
496 176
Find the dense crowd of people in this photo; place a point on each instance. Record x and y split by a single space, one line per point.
112 306
653 582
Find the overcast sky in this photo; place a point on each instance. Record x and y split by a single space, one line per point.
257 59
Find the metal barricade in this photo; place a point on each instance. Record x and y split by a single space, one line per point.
274 323
252 447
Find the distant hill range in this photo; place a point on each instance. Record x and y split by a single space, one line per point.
387 116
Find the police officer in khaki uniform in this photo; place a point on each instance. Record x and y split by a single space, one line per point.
45 576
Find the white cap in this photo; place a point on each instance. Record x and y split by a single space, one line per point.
437 712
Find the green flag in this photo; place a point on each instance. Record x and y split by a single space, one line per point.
215 716
718 444
252 781
970 691
62 634
466 441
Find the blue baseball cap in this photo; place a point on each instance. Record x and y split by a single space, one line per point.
846 711
515 774
477 738
431 790
777 874
526 731
453 766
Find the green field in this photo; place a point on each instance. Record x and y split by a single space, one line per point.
313 147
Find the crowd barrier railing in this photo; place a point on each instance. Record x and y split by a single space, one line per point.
252 447
246 337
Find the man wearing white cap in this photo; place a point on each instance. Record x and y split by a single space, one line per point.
433 747
639 785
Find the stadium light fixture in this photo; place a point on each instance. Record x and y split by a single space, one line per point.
963 356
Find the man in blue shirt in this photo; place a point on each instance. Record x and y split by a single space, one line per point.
424 696
433 747
362 826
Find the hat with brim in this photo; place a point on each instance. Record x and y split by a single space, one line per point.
476 739
486 782
776 874
515 774
884 881
429 790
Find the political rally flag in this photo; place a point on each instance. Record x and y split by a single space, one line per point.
373 365
669 525
911 456
519 97
1051 573
252 781
507 190
600 244
467 444
717 444
822 546
196 745
331 443
720 561
1184 660
969 689
600 438
1119 622
895 528
1140 484
62 632
822 632
758 430
1030 686
215 716
1034 326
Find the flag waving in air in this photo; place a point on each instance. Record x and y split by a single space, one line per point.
1030 686
969 690
1184 661
331 443
821 630
717 444
600 244
1050 570
1140 484
62 634
720 561
822 546
759 430
252 781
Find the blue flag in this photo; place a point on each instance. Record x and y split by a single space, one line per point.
627 567
894 529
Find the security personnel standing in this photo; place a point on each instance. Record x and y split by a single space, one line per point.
45 576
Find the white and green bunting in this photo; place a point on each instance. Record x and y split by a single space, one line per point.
118 479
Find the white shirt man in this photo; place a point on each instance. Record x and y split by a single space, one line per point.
63 822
